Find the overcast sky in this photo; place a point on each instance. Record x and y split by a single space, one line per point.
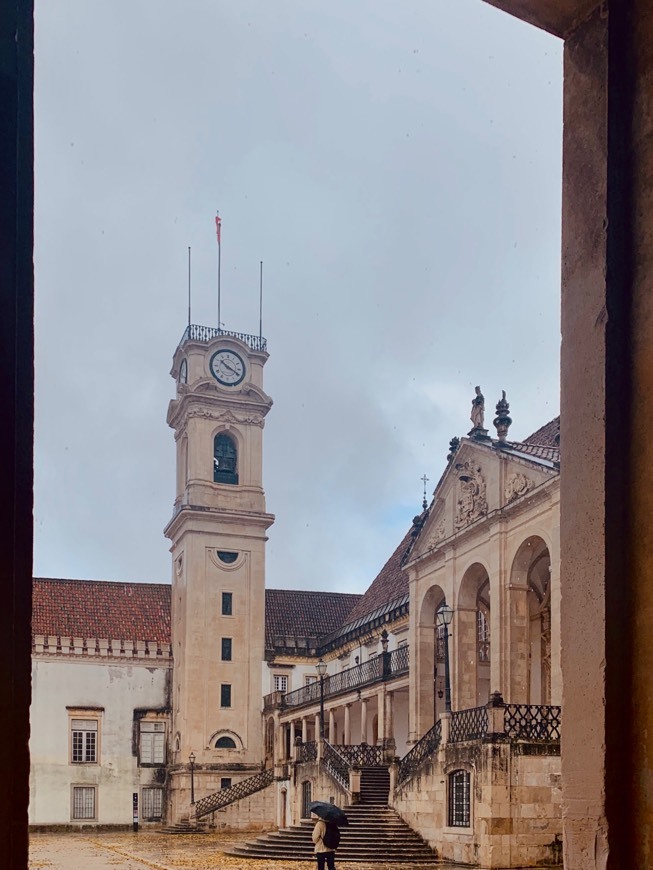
397 168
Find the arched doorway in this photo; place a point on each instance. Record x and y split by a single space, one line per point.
429 665
530 624
472 626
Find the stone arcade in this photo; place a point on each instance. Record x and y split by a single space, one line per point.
216 702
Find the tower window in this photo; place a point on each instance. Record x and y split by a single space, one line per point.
225 743
225 695
227 603
225 459
227 558
226 649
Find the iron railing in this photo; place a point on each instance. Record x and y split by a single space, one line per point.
363 755
471 724
307 752
227 796
382 667
195 332
532 722
336 764
399 660
420 753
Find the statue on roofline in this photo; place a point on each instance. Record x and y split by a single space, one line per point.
478 409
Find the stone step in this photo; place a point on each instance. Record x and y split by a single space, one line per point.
371 832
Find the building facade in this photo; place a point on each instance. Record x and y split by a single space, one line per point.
216 701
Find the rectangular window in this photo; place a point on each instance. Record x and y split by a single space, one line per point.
309 679
227 603
84 733
225 782
83 802
225 695
280 683
459 799
226 649
153 746
152 804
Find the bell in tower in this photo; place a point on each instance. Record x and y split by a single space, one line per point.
225 459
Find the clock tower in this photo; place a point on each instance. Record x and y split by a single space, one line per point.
218 534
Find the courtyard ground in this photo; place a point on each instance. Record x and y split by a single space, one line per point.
154 851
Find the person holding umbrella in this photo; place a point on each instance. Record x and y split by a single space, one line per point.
326 835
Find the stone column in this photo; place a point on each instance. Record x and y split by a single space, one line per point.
293 751
304 729
332 723
347 734
380 706
364 720
317 727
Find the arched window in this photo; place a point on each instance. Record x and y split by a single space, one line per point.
225 743
483 634
225 459
459 799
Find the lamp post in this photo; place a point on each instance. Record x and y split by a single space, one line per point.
191 759
321 668
444 616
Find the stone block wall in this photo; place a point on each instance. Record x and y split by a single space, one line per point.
515 794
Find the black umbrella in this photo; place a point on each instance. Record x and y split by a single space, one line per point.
329 812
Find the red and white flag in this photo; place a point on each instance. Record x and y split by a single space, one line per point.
218 226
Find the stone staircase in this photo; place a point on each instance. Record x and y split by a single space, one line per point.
375 785
183 826
376 833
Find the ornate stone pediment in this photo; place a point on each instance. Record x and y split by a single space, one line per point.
471 500
517 485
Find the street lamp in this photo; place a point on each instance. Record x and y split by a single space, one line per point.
191 758
444 616
321 669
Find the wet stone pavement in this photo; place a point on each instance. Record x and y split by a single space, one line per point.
154 851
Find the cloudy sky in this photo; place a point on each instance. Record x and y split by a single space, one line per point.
397 168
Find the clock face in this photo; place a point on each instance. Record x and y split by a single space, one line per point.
227 367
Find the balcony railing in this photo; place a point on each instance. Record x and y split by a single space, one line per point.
194 332
532 722
420 753
383 667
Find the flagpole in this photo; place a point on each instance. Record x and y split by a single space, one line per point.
218 225
260 321
189 291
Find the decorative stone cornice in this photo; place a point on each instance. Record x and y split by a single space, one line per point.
102 648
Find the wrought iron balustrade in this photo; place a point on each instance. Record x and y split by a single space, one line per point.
471 724
399 660
194 332
307 752
336 764
362 755
381 667
420 753
235 792
532 722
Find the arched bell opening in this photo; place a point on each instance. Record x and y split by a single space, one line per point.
225 459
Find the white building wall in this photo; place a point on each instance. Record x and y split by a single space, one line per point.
118 688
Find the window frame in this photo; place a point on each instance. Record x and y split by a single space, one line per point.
151 788
152 732
79 714
223 687
224 598
276 681
83 819
227 779
459 812
230 647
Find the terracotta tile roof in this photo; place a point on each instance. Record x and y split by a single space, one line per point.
295 613
102 609
390 583
542 444
547 435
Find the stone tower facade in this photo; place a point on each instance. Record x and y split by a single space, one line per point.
218 535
